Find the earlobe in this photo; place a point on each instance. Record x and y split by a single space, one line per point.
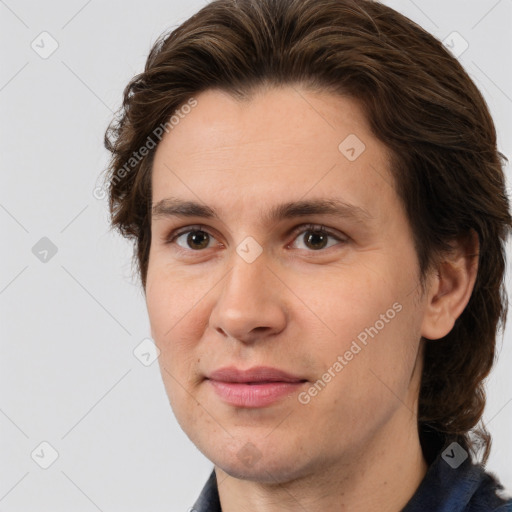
449 287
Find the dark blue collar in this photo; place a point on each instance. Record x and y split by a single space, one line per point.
449 487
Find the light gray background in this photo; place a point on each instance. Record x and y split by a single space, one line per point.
68 375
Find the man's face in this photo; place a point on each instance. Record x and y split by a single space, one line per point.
339 311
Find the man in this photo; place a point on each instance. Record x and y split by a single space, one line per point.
320 216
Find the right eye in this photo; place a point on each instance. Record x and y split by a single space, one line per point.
191 238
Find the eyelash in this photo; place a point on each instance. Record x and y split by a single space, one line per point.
315 228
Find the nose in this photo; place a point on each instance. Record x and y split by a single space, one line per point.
250 303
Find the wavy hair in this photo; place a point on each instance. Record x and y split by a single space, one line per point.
419 102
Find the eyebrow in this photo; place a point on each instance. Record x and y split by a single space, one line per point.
174 207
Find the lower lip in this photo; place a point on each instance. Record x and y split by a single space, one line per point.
241 394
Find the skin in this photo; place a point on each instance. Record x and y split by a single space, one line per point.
297 307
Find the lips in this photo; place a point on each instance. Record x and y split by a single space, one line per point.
256 387
259 374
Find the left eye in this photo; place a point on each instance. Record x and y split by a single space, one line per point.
316 237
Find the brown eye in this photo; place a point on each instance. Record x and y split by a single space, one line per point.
197 239
316 238
191 239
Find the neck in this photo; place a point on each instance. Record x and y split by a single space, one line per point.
383 476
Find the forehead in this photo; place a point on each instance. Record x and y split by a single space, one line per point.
283 144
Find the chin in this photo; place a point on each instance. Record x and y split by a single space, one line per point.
259 473
269 467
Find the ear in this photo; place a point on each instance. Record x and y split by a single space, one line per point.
450 287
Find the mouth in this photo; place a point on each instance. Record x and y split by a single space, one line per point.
255 387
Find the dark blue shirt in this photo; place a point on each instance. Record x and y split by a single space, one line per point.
448 486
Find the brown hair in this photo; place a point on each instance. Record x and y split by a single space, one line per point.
418 100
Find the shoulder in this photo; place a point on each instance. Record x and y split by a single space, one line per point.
490 494
457 484
504 508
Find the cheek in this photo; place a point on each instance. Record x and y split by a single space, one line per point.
177 304
343 302
174 310
171 302
372 321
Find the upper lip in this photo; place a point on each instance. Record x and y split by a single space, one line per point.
256 374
